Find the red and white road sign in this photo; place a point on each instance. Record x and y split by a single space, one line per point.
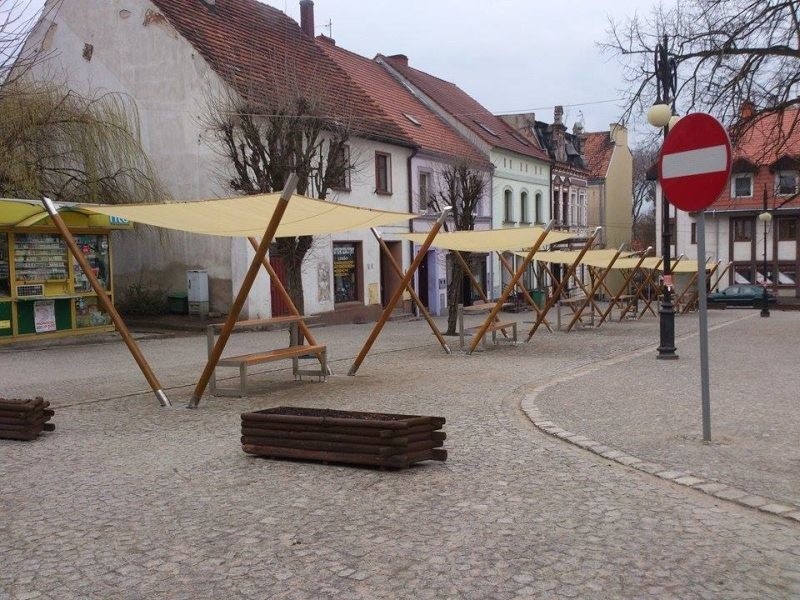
695 162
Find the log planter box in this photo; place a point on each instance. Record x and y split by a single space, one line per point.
359 438
24 419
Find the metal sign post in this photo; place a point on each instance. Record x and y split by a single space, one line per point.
702 297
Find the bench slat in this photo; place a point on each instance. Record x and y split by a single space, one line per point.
270 355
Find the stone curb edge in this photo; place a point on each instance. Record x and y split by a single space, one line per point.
712 488
716 489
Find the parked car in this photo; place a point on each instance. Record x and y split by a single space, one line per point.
741 295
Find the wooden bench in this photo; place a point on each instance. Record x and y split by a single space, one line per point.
495 327
294 352
479 308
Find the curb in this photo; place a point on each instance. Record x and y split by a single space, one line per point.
716 489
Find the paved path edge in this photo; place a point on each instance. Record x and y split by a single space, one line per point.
717 489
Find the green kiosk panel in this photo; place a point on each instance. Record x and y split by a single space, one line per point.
26 315
5 319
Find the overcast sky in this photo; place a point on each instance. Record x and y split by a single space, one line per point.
510 55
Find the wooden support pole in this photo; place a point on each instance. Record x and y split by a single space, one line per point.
244 290
387 311
721 275
102 297
692 280
412 291
593 290
694 295
650 300
507 291
623 288
557 293
640 287
525 293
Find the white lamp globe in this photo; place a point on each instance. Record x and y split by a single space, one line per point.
765 217
659 115
673 120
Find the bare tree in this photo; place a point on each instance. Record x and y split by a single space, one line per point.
57 143
727 53
17 19
265 140
644 189
462 187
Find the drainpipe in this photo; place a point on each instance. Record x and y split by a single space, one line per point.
411 156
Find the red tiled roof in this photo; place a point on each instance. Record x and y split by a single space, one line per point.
597 151
488 127
429 131
771 139
259 51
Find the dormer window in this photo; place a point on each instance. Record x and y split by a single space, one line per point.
742 185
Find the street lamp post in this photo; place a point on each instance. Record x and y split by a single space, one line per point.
661 114
765 217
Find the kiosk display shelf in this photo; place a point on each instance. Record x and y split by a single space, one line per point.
40 257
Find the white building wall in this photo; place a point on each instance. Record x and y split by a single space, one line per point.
135 51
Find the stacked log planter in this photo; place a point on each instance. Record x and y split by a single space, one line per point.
24 419
359 438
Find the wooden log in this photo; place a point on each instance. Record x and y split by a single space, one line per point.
32 418
324 436
439 454
363 431
49 427
18 435
319 455
323 446
339 418
24 404
35 426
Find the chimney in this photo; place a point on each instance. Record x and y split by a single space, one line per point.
619 134
400 59
307 17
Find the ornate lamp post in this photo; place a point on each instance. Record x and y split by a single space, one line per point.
661 114
765 217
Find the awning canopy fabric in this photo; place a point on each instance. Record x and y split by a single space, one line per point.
248 216
31 213
490 240
592 258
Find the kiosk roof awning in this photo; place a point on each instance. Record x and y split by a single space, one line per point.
247 216
31 213
490 240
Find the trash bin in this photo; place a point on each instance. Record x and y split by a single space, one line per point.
539 297
178 303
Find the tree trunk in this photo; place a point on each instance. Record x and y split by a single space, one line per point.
455 294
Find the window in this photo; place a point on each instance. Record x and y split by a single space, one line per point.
742 229
524 214
424 190
539 208
743 274
508 215
383 173
345 272
787 183
787 274
694 233
339 166
673 235
787 229
582 212
742 186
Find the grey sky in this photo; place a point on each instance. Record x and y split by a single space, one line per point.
511 55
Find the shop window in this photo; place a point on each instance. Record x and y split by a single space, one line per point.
524 214
39 258
787 229
383 173
742 186
346 270
742 229
787 274
508 207
787 183
95 250
89 313
5 277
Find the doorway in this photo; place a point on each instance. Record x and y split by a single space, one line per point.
390 280
422 280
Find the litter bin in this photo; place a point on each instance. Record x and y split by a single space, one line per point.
178 303
539 297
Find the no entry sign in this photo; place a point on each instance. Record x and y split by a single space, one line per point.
695 162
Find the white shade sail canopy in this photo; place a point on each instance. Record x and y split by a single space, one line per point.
490 240
247 216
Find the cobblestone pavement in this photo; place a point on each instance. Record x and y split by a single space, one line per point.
126 500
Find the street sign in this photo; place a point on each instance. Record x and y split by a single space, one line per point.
695 162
